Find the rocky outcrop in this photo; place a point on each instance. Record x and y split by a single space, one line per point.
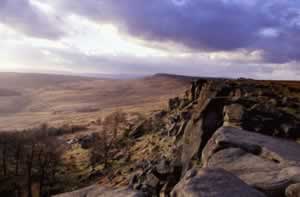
241 105
207 116
267 118
267 163
98 191
213 183
293 190
242 132
263 162
158 178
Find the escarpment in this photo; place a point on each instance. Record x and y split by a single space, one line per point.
226 138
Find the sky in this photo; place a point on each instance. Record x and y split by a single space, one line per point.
216 38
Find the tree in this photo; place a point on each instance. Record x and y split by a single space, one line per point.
29 156
48 161
106 140
18 155
4 147
29 166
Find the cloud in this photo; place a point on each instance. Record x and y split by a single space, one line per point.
270 26
76 61
178 65
23 16
221 38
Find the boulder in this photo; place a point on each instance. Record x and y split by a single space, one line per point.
267 163
233 115
98 191
293 191
207 117
213 183
157 178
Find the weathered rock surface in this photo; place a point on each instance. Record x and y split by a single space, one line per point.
157 178
213 183
293 190
267 163
207 116
233 115
98 191
248 105
267 118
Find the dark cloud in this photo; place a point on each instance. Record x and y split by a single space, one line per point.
24 17
206 25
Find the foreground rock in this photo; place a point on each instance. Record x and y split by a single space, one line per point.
207 117
98 191
157 179
267 163
213 183
293 190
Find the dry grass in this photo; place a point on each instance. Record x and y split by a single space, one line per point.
75 100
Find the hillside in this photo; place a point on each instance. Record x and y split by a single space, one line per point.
27 100
222 138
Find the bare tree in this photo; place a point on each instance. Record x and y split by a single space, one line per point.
4 146
18 155
105 142
29 167
31 156
48 161
7 147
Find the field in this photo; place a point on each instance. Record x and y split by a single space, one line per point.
28 100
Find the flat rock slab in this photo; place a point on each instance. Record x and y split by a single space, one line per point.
213 183
267 163
98 191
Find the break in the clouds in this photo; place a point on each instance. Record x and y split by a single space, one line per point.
209 37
